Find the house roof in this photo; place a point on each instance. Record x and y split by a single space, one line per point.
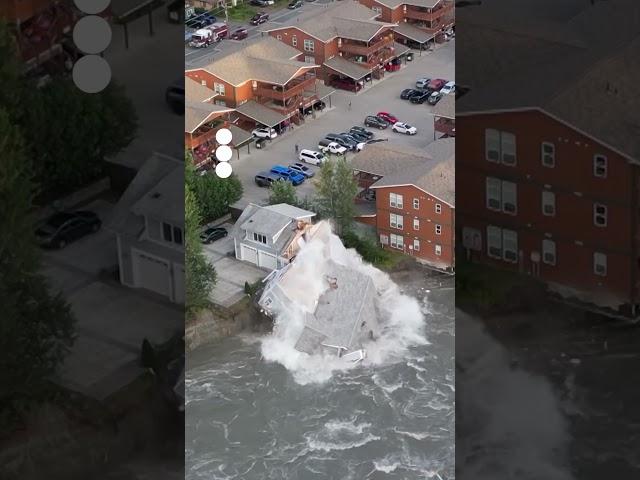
196 92
446 107
196 114
239 136
386 158
290 211
265 221
346 67
267 60
414 33
165 199
260 113
322 90
400 49
393 4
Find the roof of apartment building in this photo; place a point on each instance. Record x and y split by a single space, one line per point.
393 4
346 19
196 114
267 60
414 33
196 92
562 66
346 67
446 107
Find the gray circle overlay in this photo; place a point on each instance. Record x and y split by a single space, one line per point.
92 6
92 34
91 74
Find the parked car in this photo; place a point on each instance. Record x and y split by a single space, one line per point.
422 82
346 85
362 131
434 98
345 142
174 96
405 128
420 99
264 132
265 179
288 174
377 122
62 228
262 3
302 169
201 21
436 83
319 105
407 92
258 18
311 157
449 88
387 116
239 34
359 137
212 234
325 146
295 4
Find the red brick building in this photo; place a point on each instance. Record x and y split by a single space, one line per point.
408 195
551 177
346 40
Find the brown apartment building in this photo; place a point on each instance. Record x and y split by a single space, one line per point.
408 196
266 83
551 176
346 41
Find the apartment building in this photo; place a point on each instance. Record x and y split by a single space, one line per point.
346 41
408 195
551 178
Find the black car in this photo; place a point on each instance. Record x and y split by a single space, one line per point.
65 227
341 140
260 3
212 234
295 4
319 105
359 137
407 93
259 18
362 131
419 99
201 21
377 122
174 96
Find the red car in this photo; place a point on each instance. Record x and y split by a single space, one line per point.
388 117
239 34
436 84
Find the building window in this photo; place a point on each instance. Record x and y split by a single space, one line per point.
500 146
397 241
166 232
416 224
549 252
438 229
309 46
494 194
378 10
510 246
258 237
600 166
171 234
294 41
309 59
177 235
599 215
416 203
396 221
438 208
219 88
549 204
548 154
492 145
279 37
599 264
395 200
416 245
220 102
508 144
438 249
494 242
509 198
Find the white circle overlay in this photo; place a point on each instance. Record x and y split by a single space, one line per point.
224 136
223 153
224 169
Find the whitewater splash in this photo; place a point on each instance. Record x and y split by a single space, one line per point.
399 319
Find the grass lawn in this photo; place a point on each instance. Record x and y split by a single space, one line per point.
241 12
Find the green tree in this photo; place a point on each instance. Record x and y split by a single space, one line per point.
336 190
282 191
37 328
10 80
201 275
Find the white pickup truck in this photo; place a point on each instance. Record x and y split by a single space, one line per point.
331 147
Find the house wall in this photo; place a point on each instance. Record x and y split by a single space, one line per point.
428 220
387 14
286 36
154 228
232 95
576 189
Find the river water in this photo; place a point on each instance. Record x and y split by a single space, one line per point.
250 418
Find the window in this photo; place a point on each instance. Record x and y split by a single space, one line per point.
220 102
416 245
500 146
438 229
219 88
599 264
167 232
494 193
416 203
548 154
438 249
395 200
599 215
309 59
279 37
171 234
494 242
438 208
378 10
396 221
510 246
177 235
308 45
294 41
549 252
258 237
397 241
600 166
508 144
509 198
549 204
492 145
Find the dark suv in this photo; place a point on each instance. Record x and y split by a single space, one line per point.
341 140
265 179
377 122
259 18
65 227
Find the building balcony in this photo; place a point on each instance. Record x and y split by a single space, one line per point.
427 14
290 90
365 49
205 135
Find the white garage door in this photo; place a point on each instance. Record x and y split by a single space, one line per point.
178 283
152 273
268 261
249 254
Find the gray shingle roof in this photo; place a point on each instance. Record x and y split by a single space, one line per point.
446 107
414 33
195 92
386 158
266 222
346 67
195 114
260 113
240 136
417 3
290 211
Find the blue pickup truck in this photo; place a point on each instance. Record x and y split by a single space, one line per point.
287 174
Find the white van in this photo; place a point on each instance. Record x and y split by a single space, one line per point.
311 157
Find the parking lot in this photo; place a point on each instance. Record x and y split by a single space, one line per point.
382 96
